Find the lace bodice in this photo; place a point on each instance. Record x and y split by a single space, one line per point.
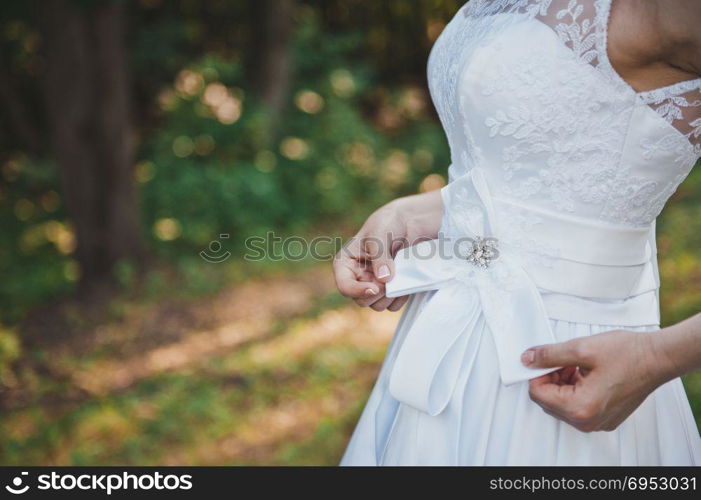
525 90
559 170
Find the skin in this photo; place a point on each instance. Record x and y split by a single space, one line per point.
365 264
605 377
652 43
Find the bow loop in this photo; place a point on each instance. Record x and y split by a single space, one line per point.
486 282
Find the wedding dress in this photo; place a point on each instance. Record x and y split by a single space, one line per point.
559 170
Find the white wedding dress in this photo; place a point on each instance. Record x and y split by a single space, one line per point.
565 167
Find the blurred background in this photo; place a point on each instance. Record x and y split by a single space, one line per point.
141 143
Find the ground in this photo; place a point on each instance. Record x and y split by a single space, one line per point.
272 371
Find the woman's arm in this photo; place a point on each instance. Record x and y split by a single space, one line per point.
365 263
607 376
678 348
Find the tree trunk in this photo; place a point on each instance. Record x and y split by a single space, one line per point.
273 63
87 98
18 118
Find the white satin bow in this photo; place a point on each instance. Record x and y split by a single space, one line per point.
502 294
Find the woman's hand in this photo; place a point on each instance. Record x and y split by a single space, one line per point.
604 379
607 376
365 264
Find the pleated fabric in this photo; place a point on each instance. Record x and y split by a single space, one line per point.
558 159
488 423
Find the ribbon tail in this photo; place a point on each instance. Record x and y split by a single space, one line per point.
515 313
429 361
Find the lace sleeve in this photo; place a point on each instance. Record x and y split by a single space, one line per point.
681 108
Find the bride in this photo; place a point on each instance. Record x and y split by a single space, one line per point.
570 124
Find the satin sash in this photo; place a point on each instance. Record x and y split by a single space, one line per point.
506 293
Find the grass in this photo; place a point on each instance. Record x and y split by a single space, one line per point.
271 366
244 390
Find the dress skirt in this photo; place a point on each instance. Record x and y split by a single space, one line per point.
488 423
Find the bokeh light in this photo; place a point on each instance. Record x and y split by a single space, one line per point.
294 148
167 229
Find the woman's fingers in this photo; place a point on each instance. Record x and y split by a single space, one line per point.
369 300
380 254
569 375
366 276
361 271
549 394
382 304
348 273
398 303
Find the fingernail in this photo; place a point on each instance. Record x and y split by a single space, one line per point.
384 271
528 357
370 292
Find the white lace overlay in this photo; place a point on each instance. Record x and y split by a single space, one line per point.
562 167
550 121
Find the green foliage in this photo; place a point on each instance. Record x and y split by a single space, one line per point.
354 135
35 239
213 178
9 350
207 169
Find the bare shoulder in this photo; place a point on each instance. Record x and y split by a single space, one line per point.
653 43
680 25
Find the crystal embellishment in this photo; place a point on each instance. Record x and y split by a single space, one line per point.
482 251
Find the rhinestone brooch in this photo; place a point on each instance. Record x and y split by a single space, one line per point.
482 251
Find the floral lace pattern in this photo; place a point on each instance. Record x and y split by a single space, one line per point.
681 110
562 118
